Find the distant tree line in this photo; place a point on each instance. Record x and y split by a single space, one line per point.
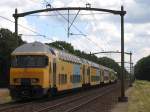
8 42
142 69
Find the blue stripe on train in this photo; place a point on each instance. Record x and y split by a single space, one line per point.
76 71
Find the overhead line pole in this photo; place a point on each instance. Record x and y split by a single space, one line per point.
122 97
68 33
16 26
131 64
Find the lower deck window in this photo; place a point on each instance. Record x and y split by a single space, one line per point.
75 78
95 78
62 78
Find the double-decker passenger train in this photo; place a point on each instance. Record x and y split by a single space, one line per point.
39 70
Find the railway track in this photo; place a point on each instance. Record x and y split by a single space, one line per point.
76 103
13 105
66 104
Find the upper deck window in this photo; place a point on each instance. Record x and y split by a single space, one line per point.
26 61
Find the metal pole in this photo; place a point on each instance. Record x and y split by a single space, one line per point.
130 84
16 25
122 98
133 73
130 62
68 26
122 54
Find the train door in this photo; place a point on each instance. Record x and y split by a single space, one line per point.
100 75
54 73
83 72
88 74
50 72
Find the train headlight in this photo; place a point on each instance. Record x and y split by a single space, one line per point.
35 80
16 80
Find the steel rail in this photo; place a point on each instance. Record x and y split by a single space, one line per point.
14 106
52 107
90 100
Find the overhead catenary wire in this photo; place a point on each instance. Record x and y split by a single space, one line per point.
81 33
105 42
29 29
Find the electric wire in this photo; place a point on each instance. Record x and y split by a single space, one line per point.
29 29
75 26
94 18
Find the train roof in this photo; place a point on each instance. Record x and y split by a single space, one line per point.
35 47
84 61
93 64
106 68
68 57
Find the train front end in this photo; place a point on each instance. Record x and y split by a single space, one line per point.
29 74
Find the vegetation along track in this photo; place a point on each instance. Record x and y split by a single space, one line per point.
66 104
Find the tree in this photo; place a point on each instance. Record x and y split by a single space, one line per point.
62 45
142 69
8 42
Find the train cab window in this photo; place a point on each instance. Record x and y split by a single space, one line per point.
22 61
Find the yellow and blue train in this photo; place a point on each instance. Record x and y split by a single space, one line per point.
39 70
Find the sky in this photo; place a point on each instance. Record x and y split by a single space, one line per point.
92 31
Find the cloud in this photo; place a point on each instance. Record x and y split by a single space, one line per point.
137 11
58 4
8 8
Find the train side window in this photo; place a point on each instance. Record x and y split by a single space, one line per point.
62 78
75 78
88 71
95 78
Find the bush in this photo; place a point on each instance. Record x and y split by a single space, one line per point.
142 69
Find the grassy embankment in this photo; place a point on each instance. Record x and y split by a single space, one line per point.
139 97
4 96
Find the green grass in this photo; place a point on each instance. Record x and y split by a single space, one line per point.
139 97
4 96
